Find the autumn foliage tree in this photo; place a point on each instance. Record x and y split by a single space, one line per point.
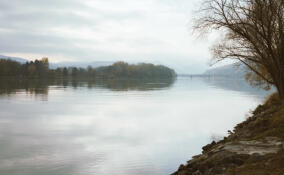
37 68
254 36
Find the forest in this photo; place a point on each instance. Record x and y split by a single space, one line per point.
40 69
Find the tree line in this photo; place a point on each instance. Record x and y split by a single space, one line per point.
40 69
37 68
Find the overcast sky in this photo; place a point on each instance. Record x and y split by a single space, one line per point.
156 31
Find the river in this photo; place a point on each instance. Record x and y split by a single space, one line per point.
115 127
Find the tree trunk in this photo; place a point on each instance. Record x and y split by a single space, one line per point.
280 88
281 92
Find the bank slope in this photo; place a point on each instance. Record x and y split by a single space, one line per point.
254 147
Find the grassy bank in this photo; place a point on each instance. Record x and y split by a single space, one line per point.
254 147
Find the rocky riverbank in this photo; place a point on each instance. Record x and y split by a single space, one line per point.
254 147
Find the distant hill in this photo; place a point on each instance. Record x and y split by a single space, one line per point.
232 70
94 64
21 60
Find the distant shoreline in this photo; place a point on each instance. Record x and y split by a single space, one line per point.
41 69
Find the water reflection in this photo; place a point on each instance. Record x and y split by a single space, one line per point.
41 87
118 128
34 86
236 85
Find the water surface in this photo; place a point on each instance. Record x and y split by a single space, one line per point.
115 127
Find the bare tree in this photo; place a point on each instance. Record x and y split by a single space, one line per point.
253 35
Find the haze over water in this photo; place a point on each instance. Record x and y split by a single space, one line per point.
117 128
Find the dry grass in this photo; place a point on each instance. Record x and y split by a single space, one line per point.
268 121
271 164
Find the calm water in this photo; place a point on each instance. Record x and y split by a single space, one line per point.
116 127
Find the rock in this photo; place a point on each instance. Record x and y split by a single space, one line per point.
208 147
183 173
261 147
218 157
258 110
181 167
197 173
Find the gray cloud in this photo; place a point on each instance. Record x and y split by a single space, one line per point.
152 30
